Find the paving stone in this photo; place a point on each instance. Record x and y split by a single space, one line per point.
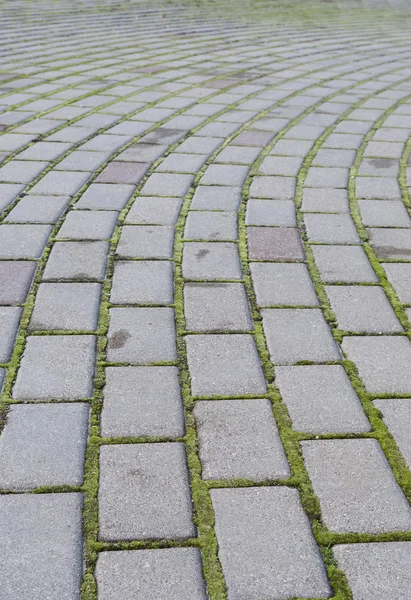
216 198
105 196
142 153
144 492
41 546
77 260
15 280
379 167
276 188
382 188
189 163
9 324
251 520
154 211
59 183
275 243
80 160
320 399
383 362
329 177
43 445
2 376
280 213
123 172
141 335
254 138
238 155
165 574
216 307
331 229
229 175
399 275
355 486
334 158
211 260
283 284
384 213
8 193
239 439
346 264
212 226
349 141
88 225
281 165
194 145
57 367
286 147
384 149
146 242
23 241
376 571
397 417
18 171
38 209
391 243
45 151
167 184
295 335
326 200
142 401
142 282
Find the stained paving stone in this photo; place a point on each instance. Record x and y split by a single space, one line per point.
131 477
399 275
43 445
88 225
216 197
141 335
320 399
276 188
295 335
280 213
77 260
56 368
142 401
251 520
166 184
376 571
345 264
355 486
239 439
41 546
379 167
38 209
382 213
326 200
142 282
15 281
154 211
391 243
146 242
283 284
123 172
224 365
188 163
211 261
216 307
275 243
9 324
105 196
60 183
212 226
331 229
23 241
397 417
142 153
164 574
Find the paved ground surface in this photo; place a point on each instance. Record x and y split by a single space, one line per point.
205 290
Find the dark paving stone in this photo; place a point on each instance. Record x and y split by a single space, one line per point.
123 172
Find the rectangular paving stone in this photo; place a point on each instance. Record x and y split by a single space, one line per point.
81 160
38 209
272 187
123 172
105 196
59 183
77 260
399 275
325 200
391 243
275 243
379 188
238 155
15 280
193 145
327 177
141 153
8 193
252 137
294 335
350 141
45 150
23 241
266 546
331 229
211 260
384 213
19 171
88 225
189 163
224 365
212 226
146 242
216 307
43 445
397 417
345 264
286 147
167 184
379 167
334 158
355 486
32 528
154 211
142 282
9 324
142 401
216 197
230 175
57 367
320 399
283 284
281 165
141 335
280 213
239 439
144 492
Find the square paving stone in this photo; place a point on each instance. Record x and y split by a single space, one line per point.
224 365
382 188
77 260
320 399
271 187
142 401
66 306
216 307
343 264
355 486
294 335
376 571
165 574
391 243
143 282
383 363
59 183
331 229
15 280
275 243
282 284
213 226
123 172
216 197
154 211
144 492
43 445
88 225
141 335
58 367
188 163
384 213
397 417
211 260
266 546
399 275
280 213
38 209
326 200
9 324
230 175
239 439
144 241
105 196
23 241
41 546
166 184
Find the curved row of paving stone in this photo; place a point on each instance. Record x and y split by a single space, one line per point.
146 220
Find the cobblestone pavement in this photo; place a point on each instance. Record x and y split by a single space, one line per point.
205 290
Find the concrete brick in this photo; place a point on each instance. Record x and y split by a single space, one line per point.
331 229
142 282
9 324
384 213
343 264
105 196
166 184
391 243
23 241
211 260
212 226
154 211
38 209
59 183
15 280
280 213
88 225
229 175
216 198
146 241
399 275
275 243
397 417
77 260
272 187
283 284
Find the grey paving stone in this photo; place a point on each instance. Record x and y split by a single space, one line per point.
123 172
346 264
15 281
77 260
384 149
280 213
376 571
294 335
327 177
320 399
391 243
326 200
41 547
167 184
9 324
142 401
239 439
273 187
59 183
275 243
211 260
399 275
45 151
281 165
229 175
286 147
397 417
216 307
283 284
57 367
188 163
88 225
18 171
146 242
80 160
384 213
2 376
141 335
379 188
355 486
331 229
8 193
43 445
334 158
212 226
143 282
105 196
379 167
216 197
304 132
224 365
66 306
249 521
238 155
23 241
144 492
254 138
143 153
194 145
349 141
38 209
